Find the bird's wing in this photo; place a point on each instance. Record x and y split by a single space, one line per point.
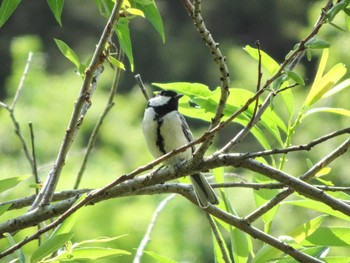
186 130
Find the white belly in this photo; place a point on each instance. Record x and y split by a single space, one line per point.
172 133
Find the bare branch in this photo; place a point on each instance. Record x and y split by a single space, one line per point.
142 87
195 13
21 83
45 195
219 239
99 122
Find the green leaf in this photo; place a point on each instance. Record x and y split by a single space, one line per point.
115 62
123 34
295 77
11 182
324 83
336 9
151 12
329 236
135 11
19 253
266 61
314 43
68 52
187 88
343 85
339 111
313 251
288 99
49 246
336 259
67 225
206 103
217 250
6 9
318 206
262 196
90 253
267 253
4 208
56 7
97 240
159 258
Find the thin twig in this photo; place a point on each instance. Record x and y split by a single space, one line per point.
21 83
142 87
295 148
35 169
220 241
147 236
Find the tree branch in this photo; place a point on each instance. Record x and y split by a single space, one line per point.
195 13
45 195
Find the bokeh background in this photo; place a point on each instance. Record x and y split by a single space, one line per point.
52 86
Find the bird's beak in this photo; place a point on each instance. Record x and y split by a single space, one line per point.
178 96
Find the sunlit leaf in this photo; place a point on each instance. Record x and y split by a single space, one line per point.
316 252
97 240
123 33
240 241
159 258
324 171
19 253
318 206
262 196
68 52
135 11
49 246
288 99
91 253
187 88
329 236
56 7
11 182
339 111
4 208
266 253
67 225
343 85
6 9
323 83
266 61
336 259
115 62
201 103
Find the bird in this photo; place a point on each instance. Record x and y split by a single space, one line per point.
166 129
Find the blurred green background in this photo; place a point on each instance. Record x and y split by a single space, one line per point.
51 88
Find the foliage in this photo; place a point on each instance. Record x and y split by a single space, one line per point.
280 117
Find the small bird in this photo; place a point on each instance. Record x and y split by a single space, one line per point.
166 129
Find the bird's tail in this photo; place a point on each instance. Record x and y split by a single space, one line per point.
205 194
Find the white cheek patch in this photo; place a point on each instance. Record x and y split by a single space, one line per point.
158 101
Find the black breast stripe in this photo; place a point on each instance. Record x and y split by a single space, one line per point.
159 140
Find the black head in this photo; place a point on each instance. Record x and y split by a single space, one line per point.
164 102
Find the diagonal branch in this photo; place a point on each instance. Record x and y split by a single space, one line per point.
45 195
195 13
305 177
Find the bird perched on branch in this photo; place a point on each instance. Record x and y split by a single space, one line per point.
165 129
